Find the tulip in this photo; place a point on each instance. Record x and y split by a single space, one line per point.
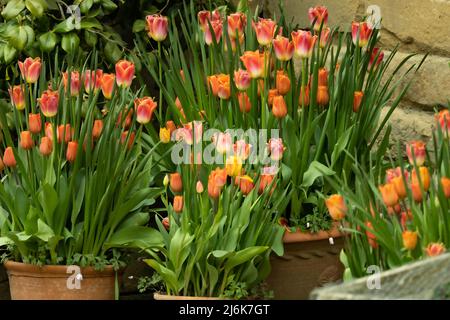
97 129
49 103
242 79
205 16
129 118
357 98
303 99
171 126
34 123
107 85
2 165
265 180
223 142
336 207
71 153
322 95
443 121
216 180
244 102
318 16
217 28
424 177
124 73
370 236
375 55
178 204
416 150
283 83
445 182
236 25
157 27
361 32
283 48
213 85
303 43
399 186
165 222
64 132
276 148
74 82
389 195
233 166
46 146
93 80
272 94
49 130
166 180
26 141
405 216
17 97
176 183
324 37
30 69
242 149
183 134
145 108
223 90
164 135
409 239
124 136
199 187
8 158
254 63
245 184
435 249
279 108
416 192
323 77
265 31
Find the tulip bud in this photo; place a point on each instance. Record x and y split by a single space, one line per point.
8 158
303 43
46 146
123 139
157 26
361 31
254 63
34 123
323 77
92 80
279 108
107 84
242 79
389 195
417 150
233 166
409 239
357 98
416 192
164 135
424 177
370 236
319 16
71 153
166 180
276 148
244 102
336 207
284 49
303 99
124 73
322 95
74 82
264 181
49 103
64 132
97 129
272 93
445 182
435 249
283 83
146 107
178 204
245 184
30 69
265 31
199 187
223 142
26 141
17 97
176 183
166 223
399 186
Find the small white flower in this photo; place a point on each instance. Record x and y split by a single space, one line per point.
307 224
130 277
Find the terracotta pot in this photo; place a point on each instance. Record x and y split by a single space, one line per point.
51 282
309 261
159 296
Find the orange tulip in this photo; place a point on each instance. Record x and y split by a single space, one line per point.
17 97
322 95
283 83
303 43
8 158
405 216
71 153
26 141
357 98
445 182
236 25
2 165
409 239
92 80
74 82
49 130
370 236
123 139
318 16
245 184
303 99
361 31
30 69
265 180
205 16
272 93
389 195
265 31
157 27
176 183
107 84
223 90
379 58
129 118
216 180
165 222
64 132
254 63
443 121
424 177
417 150
178 204
49 103
435 249
283 48
336 207
323 77
213 85
171 126
124 73
416 192
46 146
242 149
97 129
145 108
34 123
399 186
244 102
279 108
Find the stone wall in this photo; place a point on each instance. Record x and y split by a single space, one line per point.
419 26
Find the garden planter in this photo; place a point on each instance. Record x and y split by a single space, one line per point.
51 282
159 296
309 261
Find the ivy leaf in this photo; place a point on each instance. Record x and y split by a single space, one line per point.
48 41
36 7
70 42
12 9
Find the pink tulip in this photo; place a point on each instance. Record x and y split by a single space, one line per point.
265 31
317 15
284 49
49 103
30 69
157 26
303 43
124 73
242 79
361 31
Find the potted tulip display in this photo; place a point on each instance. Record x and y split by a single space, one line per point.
75 182
239 71
398 215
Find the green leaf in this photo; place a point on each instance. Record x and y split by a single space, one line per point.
13 8
137 219
36 7
86 5
19 39
340 146
166 274
48 198
90 38
315 170
89 23
44 232
112 52
65 26
108 5
135 237
138 25
70 42
243 256
5 241
9 53
47 42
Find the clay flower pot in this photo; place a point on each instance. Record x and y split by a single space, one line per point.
309 261
52 282
159 296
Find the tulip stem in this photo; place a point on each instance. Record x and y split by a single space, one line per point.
160 81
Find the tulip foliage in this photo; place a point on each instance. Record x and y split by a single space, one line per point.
75 182
322 89
398 215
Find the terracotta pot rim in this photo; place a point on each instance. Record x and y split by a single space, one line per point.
299 236
55 270
163 296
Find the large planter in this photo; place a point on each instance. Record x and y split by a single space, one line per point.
51 282
160 296
309 261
